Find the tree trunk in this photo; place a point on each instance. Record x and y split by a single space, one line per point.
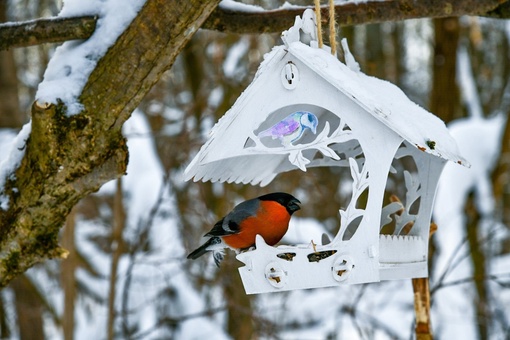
10 116
445 99
28 309
240 314
501 174
374 55
68 278
478 260
118 225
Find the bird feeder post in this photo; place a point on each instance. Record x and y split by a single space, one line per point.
307 109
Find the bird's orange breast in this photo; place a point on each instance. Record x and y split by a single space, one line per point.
271 222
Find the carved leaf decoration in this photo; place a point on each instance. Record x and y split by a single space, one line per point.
359 185
324 133
389 210
413 193
321 143
360 182
296 158
328 152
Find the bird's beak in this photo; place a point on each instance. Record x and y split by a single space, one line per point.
293 205
314 130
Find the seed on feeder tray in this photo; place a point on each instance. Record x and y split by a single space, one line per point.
286 256
321 255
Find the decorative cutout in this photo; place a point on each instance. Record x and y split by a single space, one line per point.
320 255
286 256
342 267
275 275
402 249
398 218
290 76
359 185
291 128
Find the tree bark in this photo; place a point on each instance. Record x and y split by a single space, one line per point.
68 276
501 176
118 226
29 309
445 95
67 157
478 260
42 31
351 13
10 116
375 63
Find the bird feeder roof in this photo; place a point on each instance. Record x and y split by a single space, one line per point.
384 101
222 157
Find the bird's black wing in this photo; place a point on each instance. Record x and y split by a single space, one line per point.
229 224
219 230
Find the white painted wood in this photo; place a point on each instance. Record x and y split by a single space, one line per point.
342 118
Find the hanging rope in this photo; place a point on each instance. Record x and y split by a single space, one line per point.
318 19
332 27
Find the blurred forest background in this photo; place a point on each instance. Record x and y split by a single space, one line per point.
126 275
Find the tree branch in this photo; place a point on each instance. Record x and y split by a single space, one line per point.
42 31
226 20
67 157
351 13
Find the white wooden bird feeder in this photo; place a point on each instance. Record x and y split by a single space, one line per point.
344 118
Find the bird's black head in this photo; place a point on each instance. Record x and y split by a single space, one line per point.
287 200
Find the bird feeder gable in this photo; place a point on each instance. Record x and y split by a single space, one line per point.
317 78
307 109
383 101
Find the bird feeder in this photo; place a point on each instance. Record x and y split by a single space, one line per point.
340 118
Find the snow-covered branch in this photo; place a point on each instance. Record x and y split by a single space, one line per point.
245 19
236 20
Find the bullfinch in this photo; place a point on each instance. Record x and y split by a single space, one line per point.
267 216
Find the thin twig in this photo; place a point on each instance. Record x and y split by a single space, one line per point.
174 321
143 228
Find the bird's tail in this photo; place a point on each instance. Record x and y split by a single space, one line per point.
204 248
265 133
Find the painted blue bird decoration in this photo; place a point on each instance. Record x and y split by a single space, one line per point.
292 127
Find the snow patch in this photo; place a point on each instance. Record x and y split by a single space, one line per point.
10 160
73 62
234 6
